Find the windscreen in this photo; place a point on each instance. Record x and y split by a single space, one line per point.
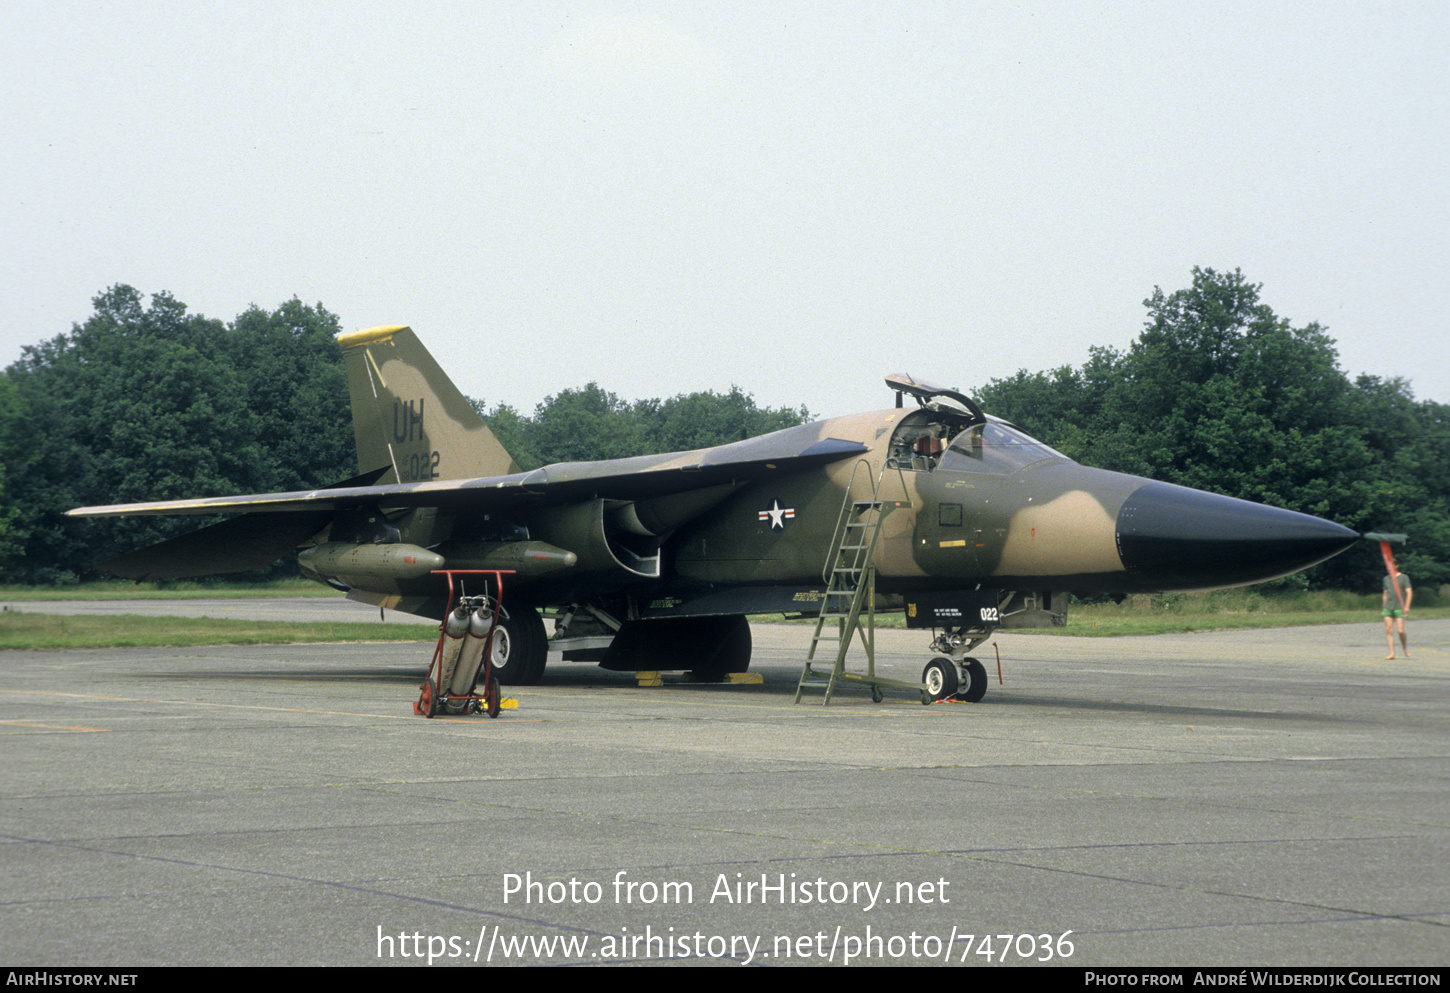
994 448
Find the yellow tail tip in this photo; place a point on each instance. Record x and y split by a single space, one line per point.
351 339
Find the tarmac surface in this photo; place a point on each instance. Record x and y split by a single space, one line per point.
1224 799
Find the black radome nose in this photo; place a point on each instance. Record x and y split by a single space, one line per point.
1176 538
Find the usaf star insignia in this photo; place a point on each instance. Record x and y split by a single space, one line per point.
777 515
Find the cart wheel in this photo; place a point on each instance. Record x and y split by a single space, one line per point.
424 706
876 695
491 696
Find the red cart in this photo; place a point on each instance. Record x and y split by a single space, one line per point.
464 656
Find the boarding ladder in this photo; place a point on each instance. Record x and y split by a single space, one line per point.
850 575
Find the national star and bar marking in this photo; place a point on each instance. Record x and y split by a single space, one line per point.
777 515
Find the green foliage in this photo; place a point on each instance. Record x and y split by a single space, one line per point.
14 459
1220 394
152 403
511 430
148 402
585 424
702 420
37 631
293 370
591 423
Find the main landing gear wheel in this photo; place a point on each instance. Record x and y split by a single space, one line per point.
520 647
976 674
731 651
940 679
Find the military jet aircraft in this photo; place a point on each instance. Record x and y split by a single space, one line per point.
654 562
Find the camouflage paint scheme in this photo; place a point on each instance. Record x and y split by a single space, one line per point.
741 528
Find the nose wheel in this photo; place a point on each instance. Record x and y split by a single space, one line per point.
942 678
954 673
976 680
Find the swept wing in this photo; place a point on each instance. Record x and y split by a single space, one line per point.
568 482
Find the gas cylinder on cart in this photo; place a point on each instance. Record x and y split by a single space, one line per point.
454 630
465 673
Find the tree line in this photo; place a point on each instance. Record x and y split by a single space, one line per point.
154 403
150 402
1219 393
582 425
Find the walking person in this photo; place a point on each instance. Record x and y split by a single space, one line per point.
1395 611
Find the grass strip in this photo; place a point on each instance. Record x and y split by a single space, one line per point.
1219 610
117 590
1175 613
19 630
1184 623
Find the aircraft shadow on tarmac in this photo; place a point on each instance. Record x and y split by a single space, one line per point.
410 675
778 682
1219 713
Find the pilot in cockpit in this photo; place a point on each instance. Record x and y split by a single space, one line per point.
927 448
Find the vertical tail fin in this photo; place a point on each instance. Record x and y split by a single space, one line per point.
407 414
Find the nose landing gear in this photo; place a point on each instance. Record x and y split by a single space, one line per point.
964 680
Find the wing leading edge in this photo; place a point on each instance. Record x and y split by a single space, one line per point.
621 479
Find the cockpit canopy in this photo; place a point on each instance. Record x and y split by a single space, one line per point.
949 431
994 447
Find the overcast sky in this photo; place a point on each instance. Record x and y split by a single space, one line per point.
797 198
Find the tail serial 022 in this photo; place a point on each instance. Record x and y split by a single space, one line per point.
963 521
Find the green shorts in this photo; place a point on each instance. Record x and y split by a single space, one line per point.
1394 612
